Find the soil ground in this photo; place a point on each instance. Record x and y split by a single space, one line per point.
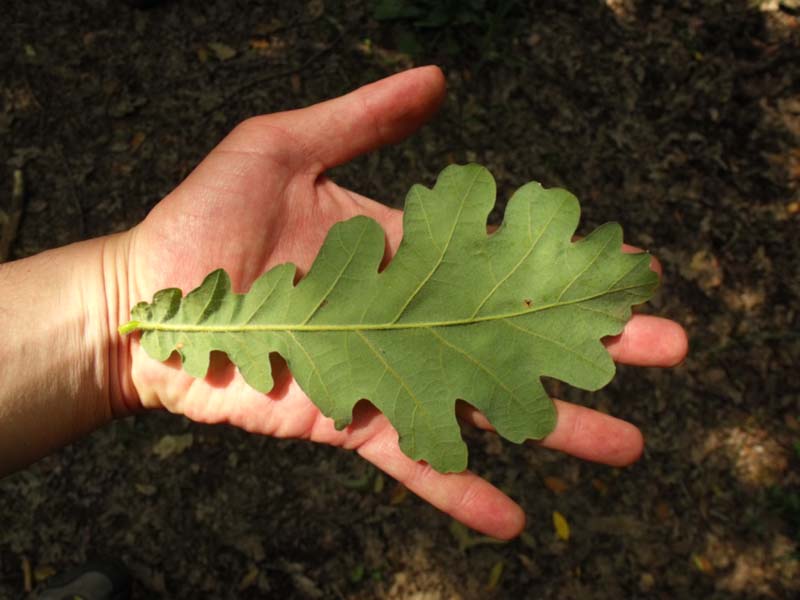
679 119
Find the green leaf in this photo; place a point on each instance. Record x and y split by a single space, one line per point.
457 314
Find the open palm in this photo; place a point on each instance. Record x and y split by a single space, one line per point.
260 199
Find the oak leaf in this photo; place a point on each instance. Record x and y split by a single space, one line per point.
457 314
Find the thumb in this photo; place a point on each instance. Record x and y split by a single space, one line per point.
384 112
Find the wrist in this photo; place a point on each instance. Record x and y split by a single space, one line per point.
110 309
64 369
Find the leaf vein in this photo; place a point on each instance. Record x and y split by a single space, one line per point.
533 244
564 347
585 269
339 275
443 252
477 363
398 378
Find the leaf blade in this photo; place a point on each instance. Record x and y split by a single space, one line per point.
457 314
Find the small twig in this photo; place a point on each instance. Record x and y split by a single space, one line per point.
9 222
27 575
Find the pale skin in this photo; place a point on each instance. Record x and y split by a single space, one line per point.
260 198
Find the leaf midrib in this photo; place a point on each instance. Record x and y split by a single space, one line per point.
278 327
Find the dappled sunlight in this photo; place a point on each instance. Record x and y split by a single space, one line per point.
756 458
778 22
750 569
423 574
785 114
782 26
746 299
624 10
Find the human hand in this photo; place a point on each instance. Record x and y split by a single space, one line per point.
261 198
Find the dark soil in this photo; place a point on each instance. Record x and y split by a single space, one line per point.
679 119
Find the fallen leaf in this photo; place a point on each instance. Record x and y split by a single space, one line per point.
170 445
357 574
556 485
121 168
146 489
399 493
792 422
646 582
561 526
307 587
221 51
316 8
357 483
296 82
702 564
137 140
530 565
268 28
27 575
663 511
43 572
466 540
259 44
461 534
704 268
494 575
252 546
249 578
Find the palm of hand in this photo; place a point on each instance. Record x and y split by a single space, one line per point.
261 199
246 212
